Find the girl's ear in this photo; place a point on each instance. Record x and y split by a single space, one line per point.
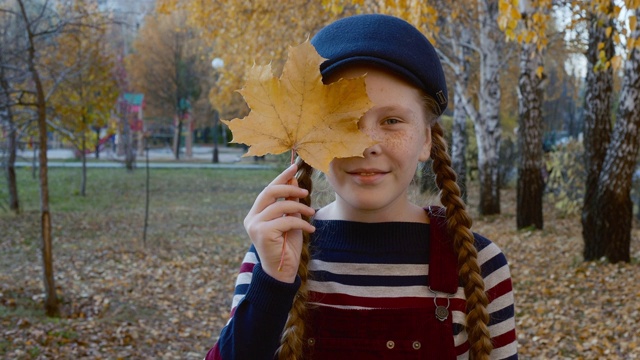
425 154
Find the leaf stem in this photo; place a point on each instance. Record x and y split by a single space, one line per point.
284 241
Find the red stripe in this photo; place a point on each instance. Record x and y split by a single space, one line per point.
460 349
246 267
504 339
500 289
214 353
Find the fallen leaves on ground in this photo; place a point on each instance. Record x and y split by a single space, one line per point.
170 300
567 308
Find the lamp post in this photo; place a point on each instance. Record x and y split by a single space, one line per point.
217 64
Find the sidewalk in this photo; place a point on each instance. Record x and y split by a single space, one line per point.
200 154
229 158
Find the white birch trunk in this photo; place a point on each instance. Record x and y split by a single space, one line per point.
459 139
597 128
530 96
487 124
614 184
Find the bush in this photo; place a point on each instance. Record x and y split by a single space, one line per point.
567 175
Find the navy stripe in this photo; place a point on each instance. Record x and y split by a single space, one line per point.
501 315
493 264
416 257
370 280
241 289
457 328
481 242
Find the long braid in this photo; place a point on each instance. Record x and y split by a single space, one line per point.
459 224
293 334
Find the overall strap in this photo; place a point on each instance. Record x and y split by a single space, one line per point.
443 262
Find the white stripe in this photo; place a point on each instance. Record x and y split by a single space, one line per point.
236 300
500 302
505 351
496 277
250 257
502 327
369 269
487 253
464 356
344 307
459 317
244 278
330 287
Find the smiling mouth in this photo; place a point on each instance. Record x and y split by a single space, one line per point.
367 172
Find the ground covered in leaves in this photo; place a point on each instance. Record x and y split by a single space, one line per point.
169 296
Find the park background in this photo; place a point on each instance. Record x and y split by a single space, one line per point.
123 239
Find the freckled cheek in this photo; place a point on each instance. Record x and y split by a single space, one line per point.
398 142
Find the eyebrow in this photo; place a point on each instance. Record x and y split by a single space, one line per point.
394 108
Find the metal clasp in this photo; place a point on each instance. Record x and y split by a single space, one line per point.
442 312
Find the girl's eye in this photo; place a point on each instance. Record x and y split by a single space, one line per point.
391 121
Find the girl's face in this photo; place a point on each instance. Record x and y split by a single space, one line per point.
374 188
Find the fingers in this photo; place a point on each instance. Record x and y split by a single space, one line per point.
285 224
284 186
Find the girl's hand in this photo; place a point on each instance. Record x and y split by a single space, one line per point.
277 211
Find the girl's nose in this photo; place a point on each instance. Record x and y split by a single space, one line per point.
373 150
368 127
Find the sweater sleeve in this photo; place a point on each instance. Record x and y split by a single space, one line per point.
259 312
501 308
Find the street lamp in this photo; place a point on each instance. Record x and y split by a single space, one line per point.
217 64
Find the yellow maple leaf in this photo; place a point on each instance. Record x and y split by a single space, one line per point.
298 112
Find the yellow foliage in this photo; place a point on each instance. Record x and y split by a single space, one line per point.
87 95
298 112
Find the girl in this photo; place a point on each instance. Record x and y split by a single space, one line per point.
372 275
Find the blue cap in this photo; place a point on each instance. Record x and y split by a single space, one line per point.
386 41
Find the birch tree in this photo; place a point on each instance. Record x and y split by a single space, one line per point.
487 122
613 206
526 21
597 121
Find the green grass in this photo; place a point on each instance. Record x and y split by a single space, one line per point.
188 207
118 189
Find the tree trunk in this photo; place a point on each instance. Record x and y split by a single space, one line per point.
459 137
530 184
97 130
487 125
188 138
34 160
615 209
177 135
597 129
129 154
216 129
12 146
51 299
12 183
83 156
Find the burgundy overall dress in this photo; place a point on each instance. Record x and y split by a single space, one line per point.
392 334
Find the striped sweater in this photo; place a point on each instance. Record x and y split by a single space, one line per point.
361 266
